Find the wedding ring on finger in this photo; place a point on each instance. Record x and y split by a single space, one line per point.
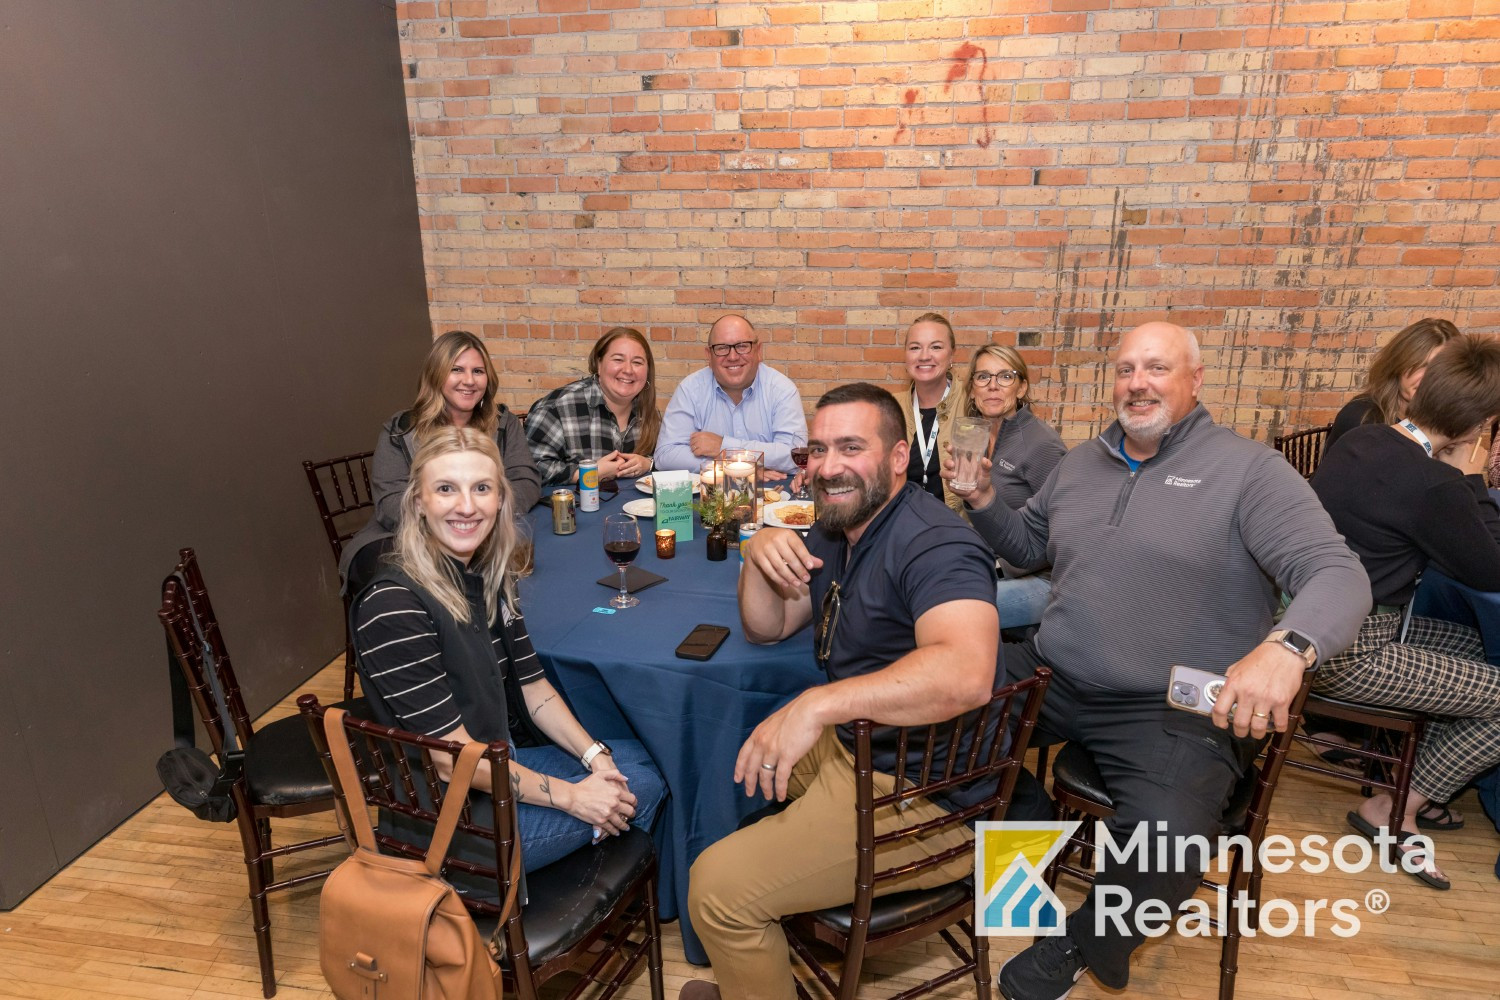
1259 715
768 767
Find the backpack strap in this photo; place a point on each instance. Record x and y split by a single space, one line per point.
447 822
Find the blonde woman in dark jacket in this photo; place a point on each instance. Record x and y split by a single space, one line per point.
455 390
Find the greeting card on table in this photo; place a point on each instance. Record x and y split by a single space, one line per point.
674 502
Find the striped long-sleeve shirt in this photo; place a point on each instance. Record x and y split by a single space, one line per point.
400 654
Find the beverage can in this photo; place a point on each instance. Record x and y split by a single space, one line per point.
588 486
746 530
563 522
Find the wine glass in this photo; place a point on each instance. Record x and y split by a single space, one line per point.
622 542
799 459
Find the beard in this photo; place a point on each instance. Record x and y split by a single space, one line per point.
869 497
1145 429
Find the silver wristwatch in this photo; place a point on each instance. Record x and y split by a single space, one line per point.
1297 643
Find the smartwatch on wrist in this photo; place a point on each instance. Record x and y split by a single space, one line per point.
594 750
1297 643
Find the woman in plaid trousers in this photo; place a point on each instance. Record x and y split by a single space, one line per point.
1405 495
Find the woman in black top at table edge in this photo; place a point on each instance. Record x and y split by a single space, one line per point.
1394 376
454 390
443 651
1405 496
926 399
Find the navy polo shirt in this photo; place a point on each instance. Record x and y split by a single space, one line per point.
915 555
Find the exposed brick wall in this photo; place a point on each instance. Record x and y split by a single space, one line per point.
1293 180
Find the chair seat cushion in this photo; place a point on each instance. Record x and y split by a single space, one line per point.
1076 772
281 764
568 898
901 908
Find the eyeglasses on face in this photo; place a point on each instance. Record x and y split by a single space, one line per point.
1007 377
722 350
828 620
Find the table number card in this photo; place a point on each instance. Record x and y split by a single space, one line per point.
674 502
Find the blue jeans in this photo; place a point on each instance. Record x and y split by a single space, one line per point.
1022 601
548 834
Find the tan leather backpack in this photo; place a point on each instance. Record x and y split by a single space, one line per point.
389 928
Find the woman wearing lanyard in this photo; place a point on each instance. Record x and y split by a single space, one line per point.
1404 496
926 403
1022 454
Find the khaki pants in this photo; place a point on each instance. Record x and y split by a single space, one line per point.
799 860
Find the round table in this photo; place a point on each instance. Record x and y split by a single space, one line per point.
621 675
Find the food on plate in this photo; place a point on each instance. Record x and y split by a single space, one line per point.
798 514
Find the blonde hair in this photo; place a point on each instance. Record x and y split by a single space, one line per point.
645 400
941 321
430 411
963 396
420 557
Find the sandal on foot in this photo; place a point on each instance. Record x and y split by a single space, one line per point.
1427 874
1437 816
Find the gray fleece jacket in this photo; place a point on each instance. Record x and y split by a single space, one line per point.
1180 561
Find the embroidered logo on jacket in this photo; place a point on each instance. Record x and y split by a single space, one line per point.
1186 484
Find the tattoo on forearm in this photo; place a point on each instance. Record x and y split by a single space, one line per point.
543 704
545 781
515 787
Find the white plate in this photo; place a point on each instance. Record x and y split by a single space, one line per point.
645 485
645 507
774 509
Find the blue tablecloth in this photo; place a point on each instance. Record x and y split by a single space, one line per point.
1441 596
622 677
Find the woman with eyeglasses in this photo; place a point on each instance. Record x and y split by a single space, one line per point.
610 415
927 401
1022 454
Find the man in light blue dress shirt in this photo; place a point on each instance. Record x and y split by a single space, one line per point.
736 402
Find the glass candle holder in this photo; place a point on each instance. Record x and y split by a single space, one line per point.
738 473
666 543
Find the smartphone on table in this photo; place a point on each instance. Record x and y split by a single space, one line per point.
702 642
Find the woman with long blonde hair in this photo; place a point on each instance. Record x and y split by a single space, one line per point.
1022 453
443 650
455 390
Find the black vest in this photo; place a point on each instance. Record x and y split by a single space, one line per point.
485 691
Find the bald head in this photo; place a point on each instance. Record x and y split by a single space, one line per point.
733 354
1158 373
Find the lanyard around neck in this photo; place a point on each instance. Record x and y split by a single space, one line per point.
1417 433
925 444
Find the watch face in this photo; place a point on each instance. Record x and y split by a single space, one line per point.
1298 641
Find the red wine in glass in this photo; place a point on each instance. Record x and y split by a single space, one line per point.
622 543
622 553
799 459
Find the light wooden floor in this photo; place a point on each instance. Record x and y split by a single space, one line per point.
158 909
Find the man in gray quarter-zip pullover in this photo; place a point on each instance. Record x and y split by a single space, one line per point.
1169 537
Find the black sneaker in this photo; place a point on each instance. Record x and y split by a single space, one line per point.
1045 971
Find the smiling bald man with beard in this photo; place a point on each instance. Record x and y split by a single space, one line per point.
1170 538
